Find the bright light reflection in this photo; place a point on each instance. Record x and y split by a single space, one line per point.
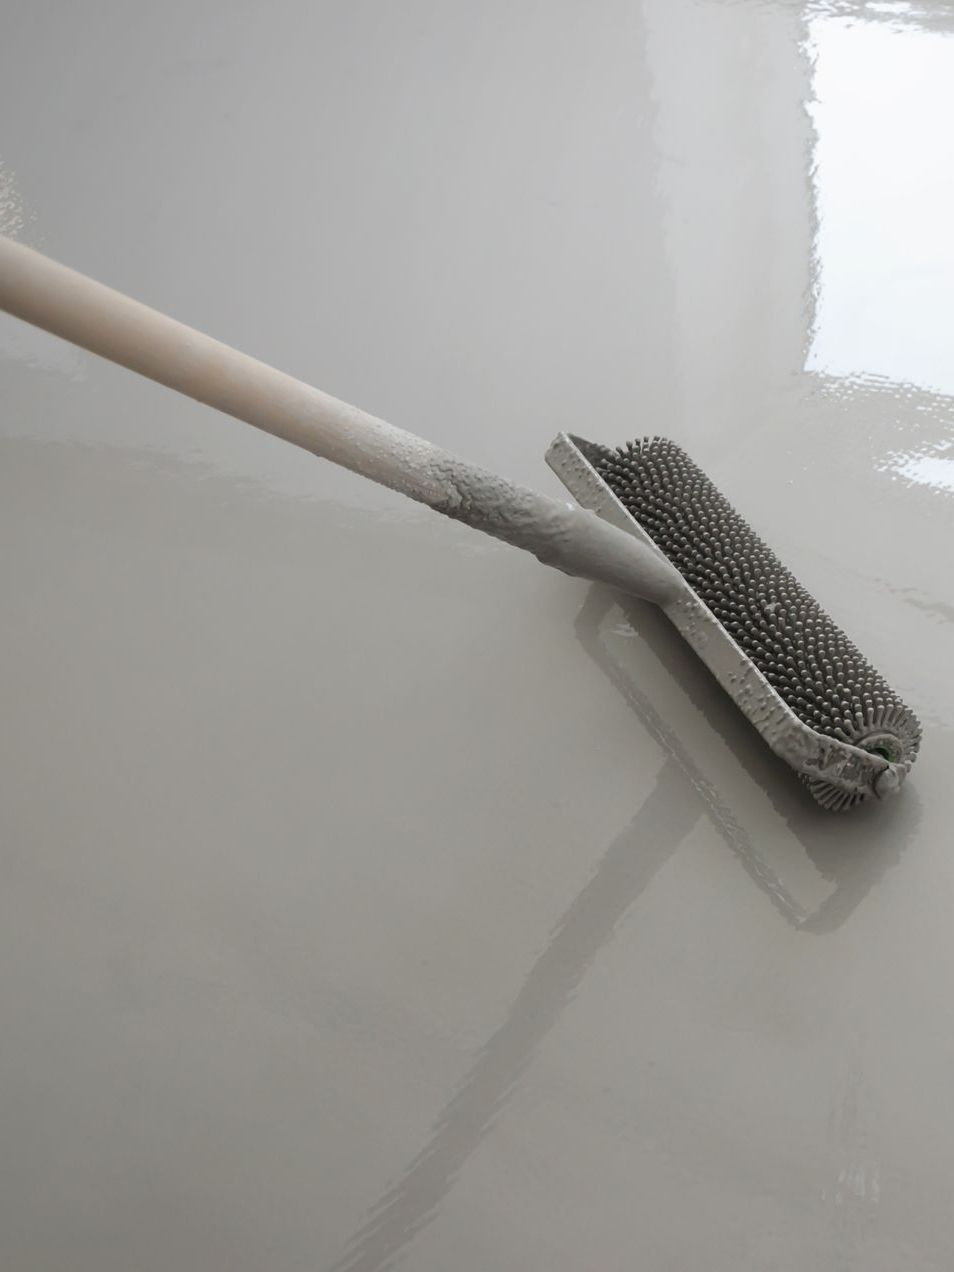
928 470
884 181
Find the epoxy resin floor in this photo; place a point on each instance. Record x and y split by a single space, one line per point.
370 896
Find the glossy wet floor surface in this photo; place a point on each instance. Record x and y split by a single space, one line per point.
371 896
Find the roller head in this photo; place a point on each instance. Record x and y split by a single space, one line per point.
787 645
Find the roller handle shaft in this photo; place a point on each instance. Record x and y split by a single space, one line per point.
95 317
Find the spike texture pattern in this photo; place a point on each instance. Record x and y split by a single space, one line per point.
807 659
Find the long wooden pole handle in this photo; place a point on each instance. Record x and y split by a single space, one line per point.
95 317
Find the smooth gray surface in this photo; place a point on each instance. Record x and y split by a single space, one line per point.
371 896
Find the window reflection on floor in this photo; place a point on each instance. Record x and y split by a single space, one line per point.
884 186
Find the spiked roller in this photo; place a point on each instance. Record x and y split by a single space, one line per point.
805 686
661 530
